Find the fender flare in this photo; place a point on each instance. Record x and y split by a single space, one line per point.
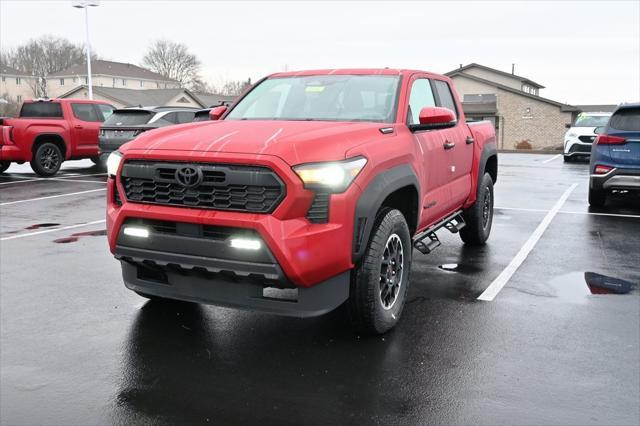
378 189
489 150
67 147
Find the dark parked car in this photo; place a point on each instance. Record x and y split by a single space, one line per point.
202 115
127 123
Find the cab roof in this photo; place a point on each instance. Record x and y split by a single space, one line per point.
354 71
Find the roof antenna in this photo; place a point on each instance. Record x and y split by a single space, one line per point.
513 69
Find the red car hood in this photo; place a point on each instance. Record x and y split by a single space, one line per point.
295 142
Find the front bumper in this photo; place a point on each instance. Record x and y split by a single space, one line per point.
308 254
616 179
576 148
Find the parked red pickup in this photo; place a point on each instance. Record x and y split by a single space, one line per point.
310 192
47 132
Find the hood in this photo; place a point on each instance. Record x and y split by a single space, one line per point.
580 131
295 142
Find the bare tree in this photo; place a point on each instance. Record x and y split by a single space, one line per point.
233 87
8 106
42 57
173 60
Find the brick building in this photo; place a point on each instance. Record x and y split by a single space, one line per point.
522 117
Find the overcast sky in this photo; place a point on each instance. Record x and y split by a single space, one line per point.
582 51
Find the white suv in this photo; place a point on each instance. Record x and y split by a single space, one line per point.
580 136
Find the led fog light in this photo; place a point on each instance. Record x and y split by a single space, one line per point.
135 231
245 243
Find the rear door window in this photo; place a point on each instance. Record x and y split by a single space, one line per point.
41 110
445 97
627 119
128 118
85 112
105 111
421 96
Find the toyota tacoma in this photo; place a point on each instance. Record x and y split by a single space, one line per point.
308 193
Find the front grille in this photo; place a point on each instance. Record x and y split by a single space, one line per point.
587 139
580 149
222 186
319 210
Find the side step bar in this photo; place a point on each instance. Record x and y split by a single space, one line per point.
427 240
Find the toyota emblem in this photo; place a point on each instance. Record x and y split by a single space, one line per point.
189 177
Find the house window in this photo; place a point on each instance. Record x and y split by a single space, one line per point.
158 85
4 78
19 98
114 82
124 82
18 81
141 83
62 82
75 79
165 85
86 80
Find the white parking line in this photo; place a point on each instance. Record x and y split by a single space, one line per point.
51 196
551 159
65 177
570 212
46 231
79 180
494 288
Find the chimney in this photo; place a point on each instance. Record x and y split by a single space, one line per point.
460 66
513 69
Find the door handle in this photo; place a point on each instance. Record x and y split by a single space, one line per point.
448 145
77 126
470 140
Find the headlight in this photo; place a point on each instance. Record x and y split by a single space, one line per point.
335 176
113 162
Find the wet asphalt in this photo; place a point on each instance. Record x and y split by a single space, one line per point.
76 347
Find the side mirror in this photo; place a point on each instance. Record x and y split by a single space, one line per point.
598 130
568 125
434 118
217 112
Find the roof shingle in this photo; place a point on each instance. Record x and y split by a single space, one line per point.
116 69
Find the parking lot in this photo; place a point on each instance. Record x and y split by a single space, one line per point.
550 341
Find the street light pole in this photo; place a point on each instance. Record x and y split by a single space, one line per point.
84 4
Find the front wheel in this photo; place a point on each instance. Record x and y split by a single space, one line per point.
4 165
479 217
380 281
47 159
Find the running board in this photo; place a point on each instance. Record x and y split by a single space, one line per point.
453 223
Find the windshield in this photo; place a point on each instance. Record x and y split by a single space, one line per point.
321 97
585 120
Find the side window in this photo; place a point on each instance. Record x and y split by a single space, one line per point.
421 96
445 97
185 116
84 112
105 111
171 117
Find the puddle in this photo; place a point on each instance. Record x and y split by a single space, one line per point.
460 268
41 225
578 286
74 237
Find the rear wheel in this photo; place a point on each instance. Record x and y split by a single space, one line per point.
47 159
597 198
4 165
380 281
479 217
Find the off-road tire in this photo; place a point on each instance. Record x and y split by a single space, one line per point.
4 165
47 159
367 312
479 217
597 198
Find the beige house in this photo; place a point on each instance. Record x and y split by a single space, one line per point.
16 86
512 103
107 74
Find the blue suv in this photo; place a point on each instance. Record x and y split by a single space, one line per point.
615 155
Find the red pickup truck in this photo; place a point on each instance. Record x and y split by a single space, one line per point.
47 132
309 193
